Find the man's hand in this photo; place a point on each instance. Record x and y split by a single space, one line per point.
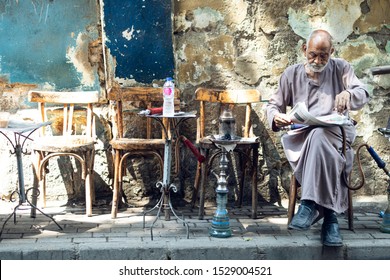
342 101
281 120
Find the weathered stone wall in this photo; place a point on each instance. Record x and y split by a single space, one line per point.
238 44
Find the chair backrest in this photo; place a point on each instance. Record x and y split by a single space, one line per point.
139 98
76 107
230 97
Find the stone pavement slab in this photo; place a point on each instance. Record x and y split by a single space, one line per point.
267 238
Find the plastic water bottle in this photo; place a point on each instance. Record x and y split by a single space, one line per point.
169 95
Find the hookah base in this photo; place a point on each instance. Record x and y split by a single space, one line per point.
385 226
385 229
220 227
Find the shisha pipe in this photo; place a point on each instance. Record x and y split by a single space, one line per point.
385 226
381 164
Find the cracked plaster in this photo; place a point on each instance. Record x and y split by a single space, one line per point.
339 18
78 56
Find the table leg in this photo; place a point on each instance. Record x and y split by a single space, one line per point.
255 157
18 153
23 200
115 197
35 167
167 176
164 203
17 145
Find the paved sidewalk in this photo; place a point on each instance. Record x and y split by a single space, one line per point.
100 237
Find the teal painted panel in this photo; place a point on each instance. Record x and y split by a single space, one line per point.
43 42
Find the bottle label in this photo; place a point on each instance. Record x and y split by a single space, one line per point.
168 107
167 91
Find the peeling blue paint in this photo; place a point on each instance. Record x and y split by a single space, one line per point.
36 36
139 34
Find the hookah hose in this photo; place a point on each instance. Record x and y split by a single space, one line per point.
201 158
381 164
192 148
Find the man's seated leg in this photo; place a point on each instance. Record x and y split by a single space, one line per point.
306 215
330 231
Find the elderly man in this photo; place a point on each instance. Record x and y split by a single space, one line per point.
326 85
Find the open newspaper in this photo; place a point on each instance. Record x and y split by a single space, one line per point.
300 115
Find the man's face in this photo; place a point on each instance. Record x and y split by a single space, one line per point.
317 54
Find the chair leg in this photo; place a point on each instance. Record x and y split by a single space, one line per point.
115 196
243 163
350 210
40 177
255 158
195 191
88 194
292 199
43 184
89 189
34 201
203 179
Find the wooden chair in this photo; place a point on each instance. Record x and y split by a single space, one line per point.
248 150
73 134
149 144
294 185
